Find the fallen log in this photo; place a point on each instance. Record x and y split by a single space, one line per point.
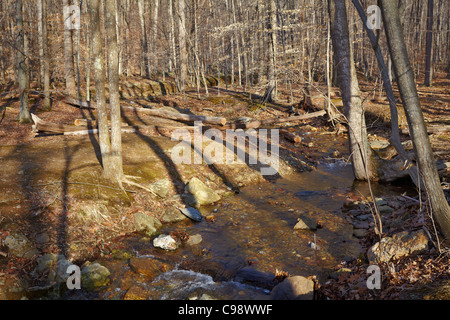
291 136
45 126
258 123
92 123
432 129
153 112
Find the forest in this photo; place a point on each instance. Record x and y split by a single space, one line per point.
225 150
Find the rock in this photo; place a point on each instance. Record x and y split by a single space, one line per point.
136 292
165 242
171 215
194 240
364 217
385 209
294 288
160 187
147 224
148 267
192 213
202 194
94 275
399 245
380 202
256 278
359 233
308 225
357 224
19 245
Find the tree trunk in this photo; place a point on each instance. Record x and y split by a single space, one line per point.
99 74
182 44
348 85
408 92
71 87
429 45
43 53
115 172
145 65
22 68
270 93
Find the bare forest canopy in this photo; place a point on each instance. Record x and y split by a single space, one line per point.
184 40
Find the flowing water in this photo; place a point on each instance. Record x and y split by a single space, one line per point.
256 228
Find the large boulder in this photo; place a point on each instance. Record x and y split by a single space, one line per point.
400 245
294 288
203 195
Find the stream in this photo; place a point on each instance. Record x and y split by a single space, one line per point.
247 237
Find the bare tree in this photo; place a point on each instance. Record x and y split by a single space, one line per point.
22 67
68 52
410 98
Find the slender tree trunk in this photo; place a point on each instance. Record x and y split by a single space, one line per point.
182 44
414 115
145 65
348 84
99 74
43 53
115 168
22 68
71 87
270 93
429 45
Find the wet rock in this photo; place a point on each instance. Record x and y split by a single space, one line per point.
121 254
253 277
165 242
160 187
147 224
399 245
19 245
194 240
148 267
364 217
202 193
304 224
172 215
136 292
94 276
294 288
192 213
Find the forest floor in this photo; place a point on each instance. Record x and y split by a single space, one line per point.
54 197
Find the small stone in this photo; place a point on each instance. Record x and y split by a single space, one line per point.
160 187
19 245
165 242
202 193
302 225
192 213
384 209
94 275
359 233
147 224
171 215
194 240
360 224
